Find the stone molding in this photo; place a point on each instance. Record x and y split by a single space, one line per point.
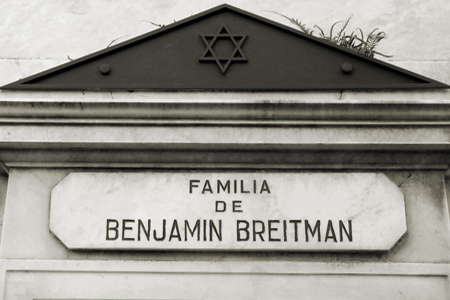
227 134
44 279
224 113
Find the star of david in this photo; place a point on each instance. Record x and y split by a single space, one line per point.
237 55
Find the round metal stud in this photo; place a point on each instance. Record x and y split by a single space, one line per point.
105 69
347 68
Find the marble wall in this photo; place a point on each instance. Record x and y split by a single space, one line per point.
27 235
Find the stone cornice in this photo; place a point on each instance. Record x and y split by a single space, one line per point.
228 134
225 113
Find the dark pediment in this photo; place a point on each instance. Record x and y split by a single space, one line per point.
225 48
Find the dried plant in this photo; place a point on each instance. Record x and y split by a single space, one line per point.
354 41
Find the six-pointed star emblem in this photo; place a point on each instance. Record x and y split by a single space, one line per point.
223 61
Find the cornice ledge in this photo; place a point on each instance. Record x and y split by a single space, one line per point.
285 113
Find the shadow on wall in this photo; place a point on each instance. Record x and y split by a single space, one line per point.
3 187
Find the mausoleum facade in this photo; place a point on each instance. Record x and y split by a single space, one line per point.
225 156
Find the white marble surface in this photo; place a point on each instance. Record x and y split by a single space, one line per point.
120 279
82 204
78 27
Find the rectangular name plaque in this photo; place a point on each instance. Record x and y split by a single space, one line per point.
228 211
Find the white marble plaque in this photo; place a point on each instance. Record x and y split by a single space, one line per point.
228 211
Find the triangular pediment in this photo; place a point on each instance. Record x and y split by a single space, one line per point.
225 48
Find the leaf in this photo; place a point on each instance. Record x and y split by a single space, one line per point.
159 25
322 35
113 41
382 54
330 38
345 25
362 34
294 21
